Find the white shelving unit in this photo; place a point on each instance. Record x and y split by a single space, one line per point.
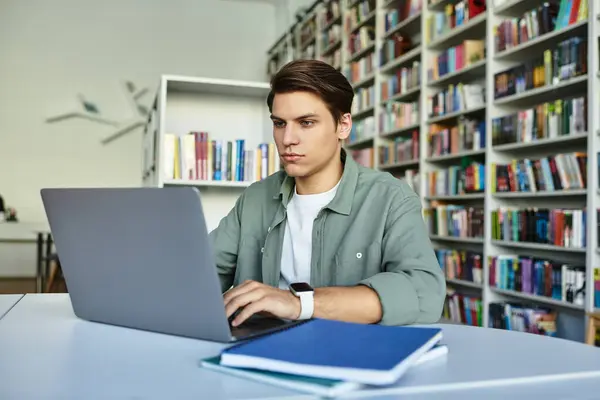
572 320
226 110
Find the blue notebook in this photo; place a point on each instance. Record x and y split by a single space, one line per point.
368 354
308 384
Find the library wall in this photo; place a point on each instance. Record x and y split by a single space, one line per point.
51 51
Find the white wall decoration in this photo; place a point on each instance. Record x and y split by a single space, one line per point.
88 110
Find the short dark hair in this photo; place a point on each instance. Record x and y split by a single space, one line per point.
316 77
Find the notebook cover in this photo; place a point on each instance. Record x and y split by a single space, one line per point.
330 343
320 386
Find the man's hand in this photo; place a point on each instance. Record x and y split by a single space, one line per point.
255 297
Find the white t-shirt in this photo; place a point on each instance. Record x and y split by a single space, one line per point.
296 252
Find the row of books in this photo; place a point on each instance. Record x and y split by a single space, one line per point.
544 19
455 221
403 80
361 68
463 265
364 99
441 23
194 156
396 115
468 134
549 174
364 157
455 58
362 129
540 277
456 180
521 318
401 149
549 120
460 308
459 97
360 40
400 12
557 227
566 60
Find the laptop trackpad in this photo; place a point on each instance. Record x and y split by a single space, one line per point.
258 325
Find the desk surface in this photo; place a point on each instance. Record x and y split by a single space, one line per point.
7 301
49 353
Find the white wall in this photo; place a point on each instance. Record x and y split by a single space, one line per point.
51 50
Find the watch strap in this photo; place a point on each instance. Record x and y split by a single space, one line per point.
307 305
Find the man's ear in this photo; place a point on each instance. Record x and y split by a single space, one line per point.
344 126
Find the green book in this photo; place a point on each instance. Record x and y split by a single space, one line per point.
319 386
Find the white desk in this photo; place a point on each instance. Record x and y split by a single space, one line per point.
7 301
47 353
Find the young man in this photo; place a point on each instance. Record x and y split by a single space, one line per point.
354 234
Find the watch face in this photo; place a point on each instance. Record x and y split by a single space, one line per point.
299 287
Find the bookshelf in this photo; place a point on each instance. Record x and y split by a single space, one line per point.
432 94
212 134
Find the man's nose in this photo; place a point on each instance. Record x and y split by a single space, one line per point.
289 136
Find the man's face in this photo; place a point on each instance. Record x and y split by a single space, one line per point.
305 132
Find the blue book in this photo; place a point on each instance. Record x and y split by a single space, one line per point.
367 354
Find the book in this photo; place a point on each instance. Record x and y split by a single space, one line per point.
318 386
368 354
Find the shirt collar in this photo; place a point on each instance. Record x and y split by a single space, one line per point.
344 197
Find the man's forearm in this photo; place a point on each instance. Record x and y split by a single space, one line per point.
352 304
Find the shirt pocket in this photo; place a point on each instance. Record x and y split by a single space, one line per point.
249 260
355 263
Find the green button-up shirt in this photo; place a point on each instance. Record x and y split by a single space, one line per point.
371 233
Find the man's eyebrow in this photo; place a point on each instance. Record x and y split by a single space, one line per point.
309 115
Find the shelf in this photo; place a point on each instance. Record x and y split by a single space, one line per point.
541 194
472 28
537 299
537 246
542 143
461 282
539 95
399 131
457 197
217 184
386 78
456 239
329 49
401 164
367 20
364 81
215 86
473 71
403 59
539 44
456 114
363 113
410 93
452 157
362 53
410 25
360 143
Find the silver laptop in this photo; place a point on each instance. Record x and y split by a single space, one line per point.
142 258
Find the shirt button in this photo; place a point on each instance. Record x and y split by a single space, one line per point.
358 255
269 229
262 249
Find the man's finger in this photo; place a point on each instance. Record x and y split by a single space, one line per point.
242 301
238 290
251 309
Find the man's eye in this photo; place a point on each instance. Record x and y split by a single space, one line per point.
278 124
306 123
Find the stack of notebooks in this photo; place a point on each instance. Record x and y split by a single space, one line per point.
330 358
